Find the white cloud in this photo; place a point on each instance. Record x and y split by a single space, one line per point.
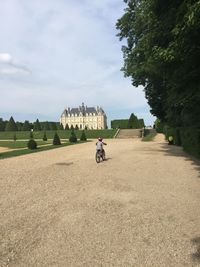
5 58
73 53
8 65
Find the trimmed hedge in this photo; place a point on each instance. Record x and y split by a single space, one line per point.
190 138
32 144
122 124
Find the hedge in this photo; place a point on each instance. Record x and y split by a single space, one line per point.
122 124
188 138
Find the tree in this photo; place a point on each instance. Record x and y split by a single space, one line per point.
26 126
53 126
44 137
67 127
14 137
37 126
11 125
56 140
46 126
141 123
59 126
72 127
76 128
83 136
2 125
19 125
31 135
160 57
133 122
32 144
73 138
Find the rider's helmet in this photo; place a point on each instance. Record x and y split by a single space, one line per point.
100 139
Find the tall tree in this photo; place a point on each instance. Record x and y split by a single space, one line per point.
11 125
46 126
26 126
59 126
2 125
37 126
159 56
53 126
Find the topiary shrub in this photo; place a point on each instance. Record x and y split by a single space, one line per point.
44 137
73 138
14 137
83 136
32 144
31 135
56 140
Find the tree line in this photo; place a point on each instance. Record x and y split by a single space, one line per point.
162 54
11 125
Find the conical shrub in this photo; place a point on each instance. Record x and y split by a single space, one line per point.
31 135
73 138
83 136
32 144
44 137
56 140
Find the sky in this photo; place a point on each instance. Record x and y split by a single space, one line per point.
59 53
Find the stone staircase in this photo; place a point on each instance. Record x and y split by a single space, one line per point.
129 133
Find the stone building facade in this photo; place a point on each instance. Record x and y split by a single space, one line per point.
84 117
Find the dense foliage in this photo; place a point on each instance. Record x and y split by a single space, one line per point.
83 136
44 137
132 123
11 125
37 126
123 124
162 54
56 140
72 138
32 144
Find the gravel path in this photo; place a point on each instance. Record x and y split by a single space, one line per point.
139 208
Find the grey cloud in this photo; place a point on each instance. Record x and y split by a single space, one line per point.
9 67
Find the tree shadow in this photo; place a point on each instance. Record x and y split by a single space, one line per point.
196 255
173 150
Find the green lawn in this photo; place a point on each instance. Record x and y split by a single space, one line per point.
149 137
19 152
20 144
63 134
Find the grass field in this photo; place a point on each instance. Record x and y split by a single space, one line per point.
63 134
19 152
20 144
149 137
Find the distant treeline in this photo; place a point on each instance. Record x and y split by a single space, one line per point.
11 125
132 123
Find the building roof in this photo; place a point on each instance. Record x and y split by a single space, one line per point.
83 110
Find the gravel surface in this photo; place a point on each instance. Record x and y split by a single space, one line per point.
141 207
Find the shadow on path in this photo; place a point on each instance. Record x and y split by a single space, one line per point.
196 255
172 150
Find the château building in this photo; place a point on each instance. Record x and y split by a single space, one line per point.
84 117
